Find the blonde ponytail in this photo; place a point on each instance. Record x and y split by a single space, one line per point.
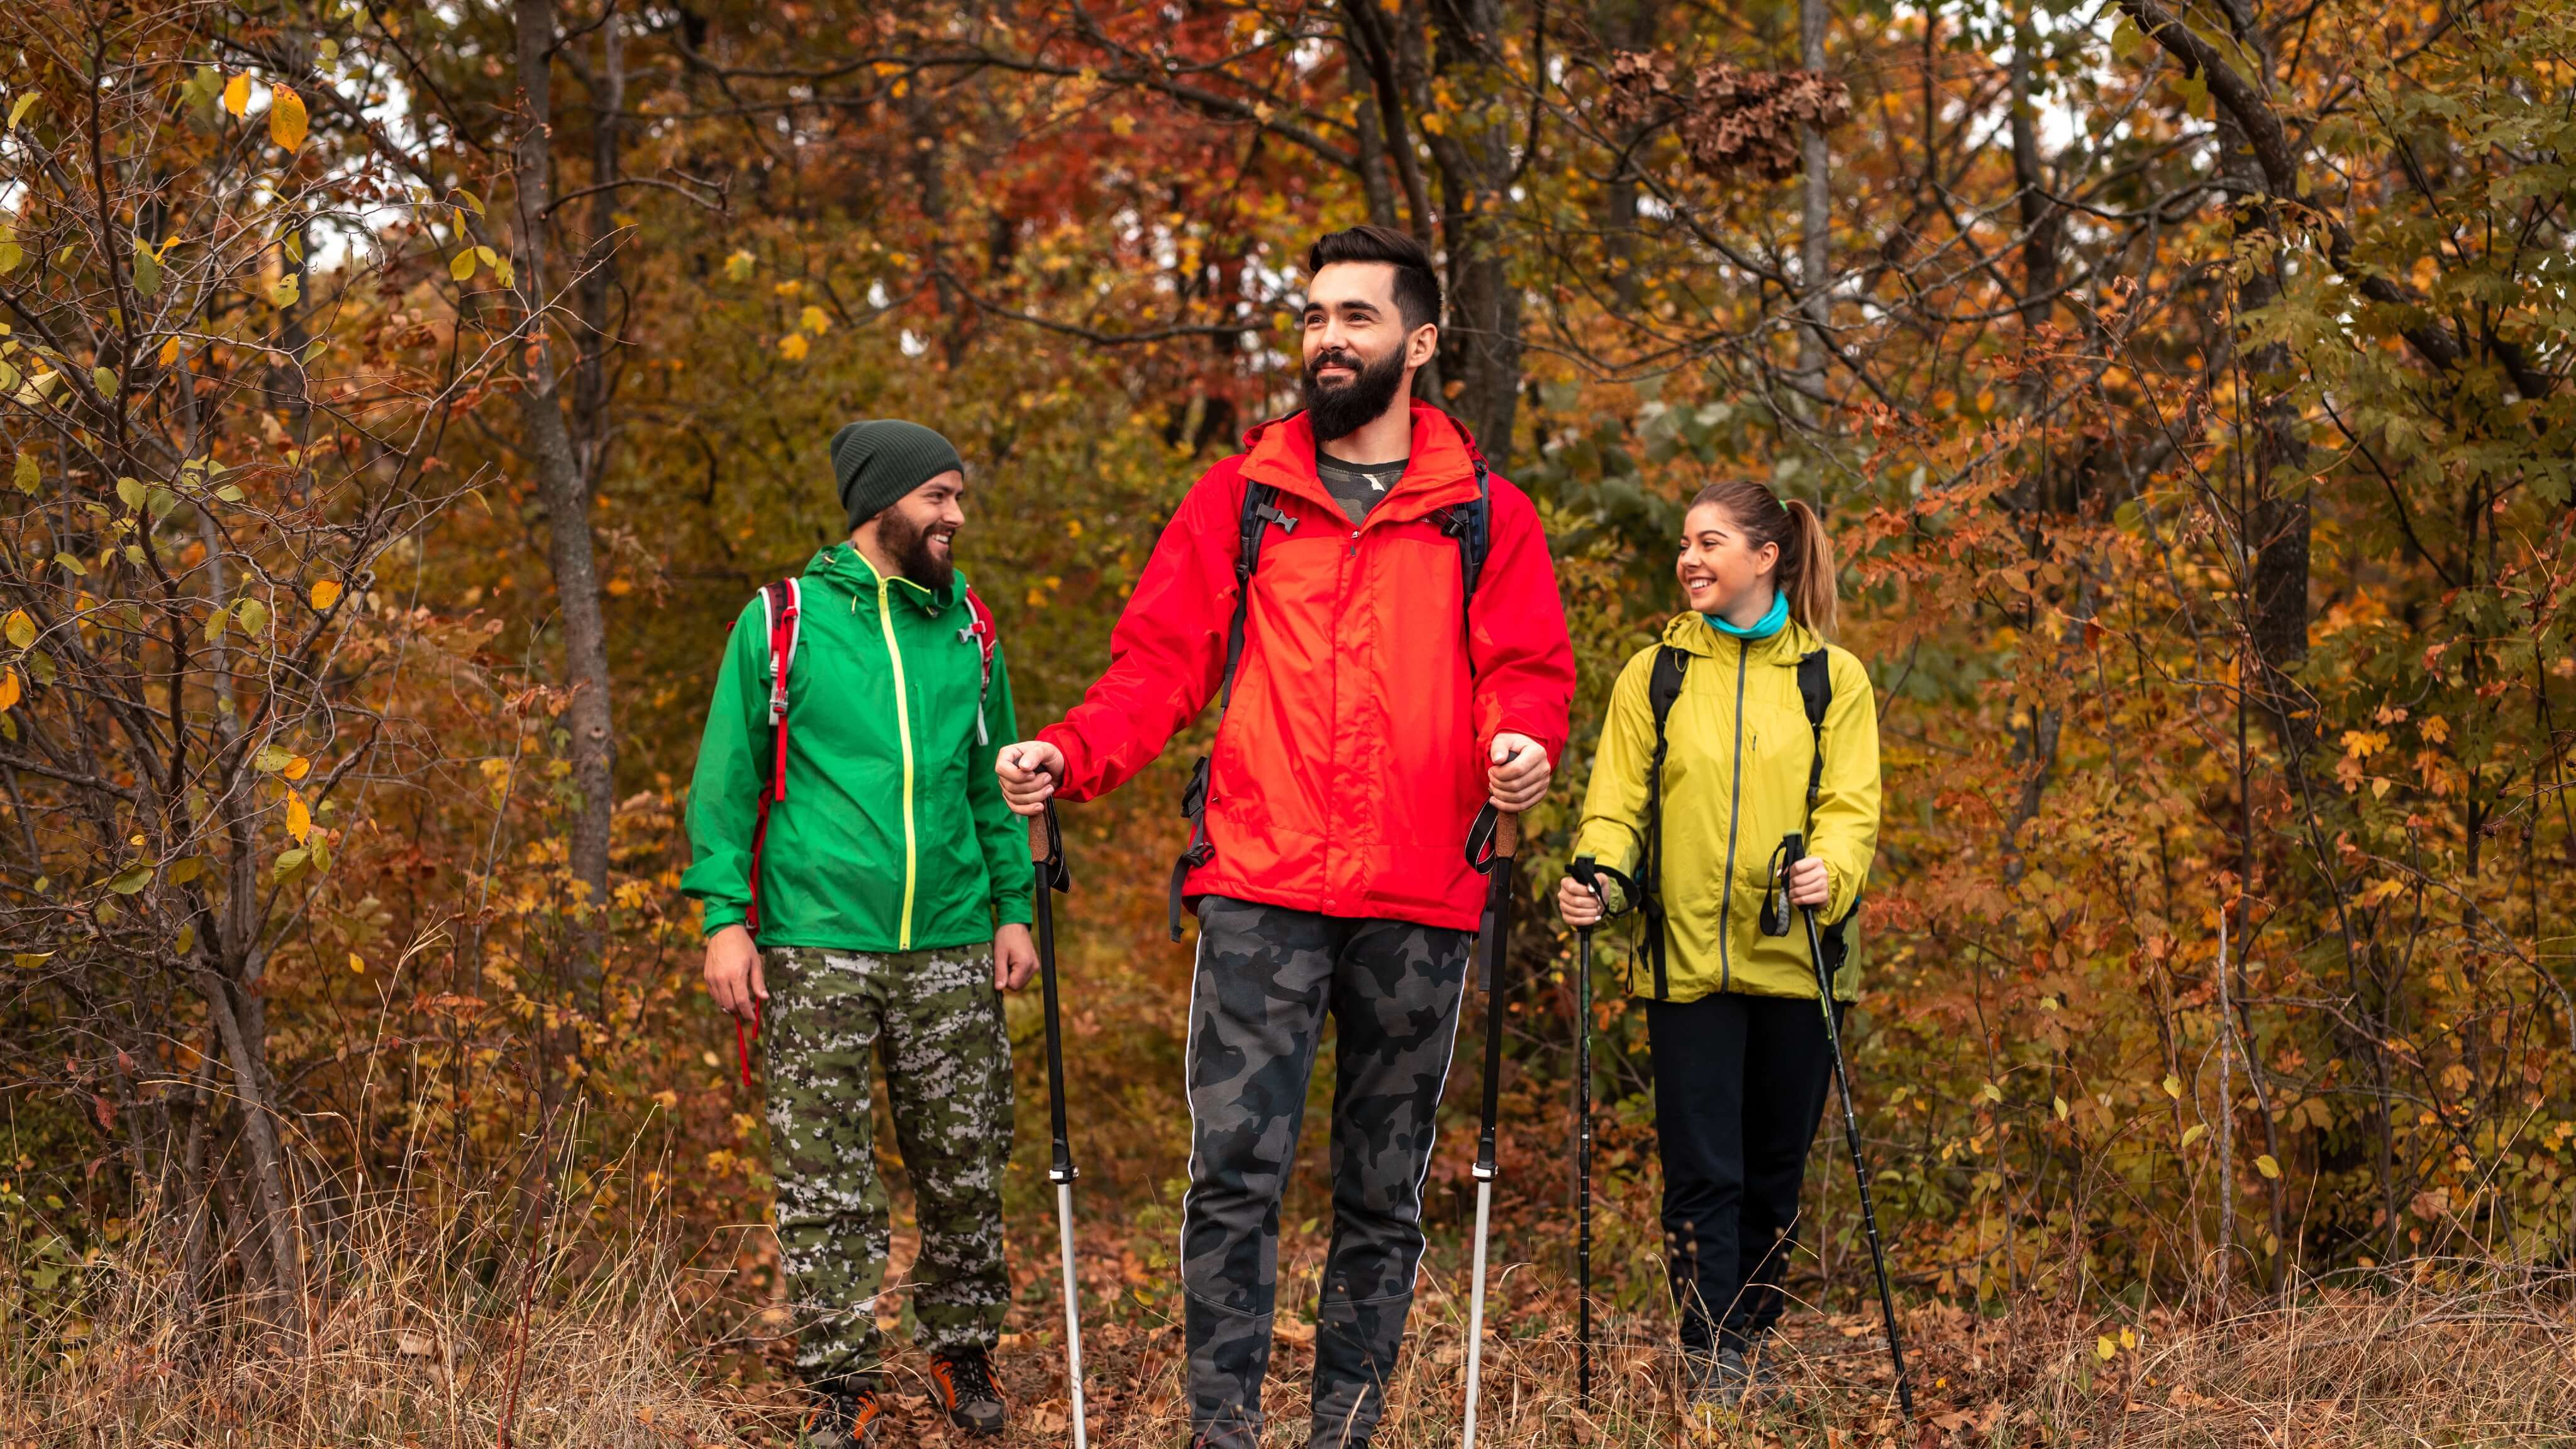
1805 573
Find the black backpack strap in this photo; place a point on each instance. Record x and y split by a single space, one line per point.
1663 687
1252 526
1816 692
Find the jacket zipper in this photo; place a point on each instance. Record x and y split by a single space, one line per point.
1734 812
903 730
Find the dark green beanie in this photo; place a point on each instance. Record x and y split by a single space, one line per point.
881 460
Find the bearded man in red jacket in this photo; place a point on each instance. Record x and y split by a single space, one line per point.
1403 661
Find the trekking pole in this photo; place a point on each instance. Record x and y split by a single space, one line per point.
1794 846
1587 875
1046 850
1502 833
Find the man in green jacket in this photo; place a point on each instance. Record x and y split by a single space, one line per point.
891 909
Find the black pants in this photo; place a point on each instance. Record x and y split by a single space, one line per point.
1740 1085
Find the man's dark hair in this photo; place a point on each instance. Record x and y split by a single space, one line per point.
1417 287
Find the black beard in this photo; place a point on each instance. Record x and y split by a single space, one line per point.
1338 412
912 555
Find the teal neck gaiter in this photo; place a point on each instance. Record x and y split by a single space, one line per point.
1773 620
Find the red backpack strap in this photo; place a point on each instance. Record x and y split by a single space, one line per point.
988 638
780 604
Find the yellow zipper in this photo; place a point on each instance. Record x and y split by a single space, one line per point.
903 728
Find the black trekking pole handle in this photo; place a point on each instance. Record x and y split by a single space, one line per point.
1795 845
1046 855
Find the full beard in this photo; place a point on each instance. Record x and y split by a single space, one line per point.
914 556
1341 410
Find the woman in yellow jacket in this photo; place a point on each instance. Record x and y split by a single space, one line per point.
1741 1064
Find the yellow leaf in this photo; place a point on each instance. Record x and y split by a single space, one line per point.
286 118
2266 1166
793 347
357 964
170 350
2173 1086
20 629
2061 1108
815 320
326 592
237 95
2104 1349
2128 1338
297 768
25 475
2192 1133
10 690
299 817
463 265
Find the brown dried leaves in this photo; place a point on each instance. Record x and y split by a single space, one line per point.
1727 118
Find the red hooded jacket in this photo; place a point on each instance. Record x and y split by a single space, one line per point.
1352 760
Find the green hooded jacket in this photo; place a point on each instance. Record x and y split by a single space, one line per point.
893 835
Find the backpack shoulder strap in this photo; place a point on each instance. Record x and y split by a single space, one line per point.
781 608
1816 691
987 637
1664 685
1252 526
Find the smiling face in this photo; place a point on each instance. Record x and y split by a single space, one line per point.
919 532
1360 357
1722 572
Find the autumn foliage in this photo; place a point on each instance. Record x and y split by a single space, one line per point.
399 402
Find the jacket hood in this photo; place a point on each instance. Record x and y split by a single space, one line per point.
1439 469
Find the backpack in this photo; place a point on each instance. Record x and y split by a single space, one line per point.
1663 687
782 603
1470 523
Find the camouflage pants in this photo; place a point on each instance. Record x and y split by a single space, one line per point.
938 1021
1266 978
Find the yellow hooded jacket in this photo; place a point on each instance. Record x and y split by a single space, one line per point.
1737 750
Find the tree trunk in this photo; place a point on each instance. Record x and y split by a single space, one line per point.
1480 348
547 442
1815 255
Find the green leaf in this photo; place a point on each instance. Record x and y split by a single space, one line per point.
229 493
131 880
147 269
104 378
131 490
26 476
272 758
252 616
290 862
184 870
11 254
72 562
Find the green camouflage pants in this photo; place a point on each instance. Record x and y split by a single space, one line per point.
938 1020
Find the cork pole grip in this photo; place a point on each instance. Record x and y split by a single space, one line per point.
1507 835
1038 853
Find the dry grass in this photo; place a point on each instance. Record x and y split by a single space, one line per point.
638 1346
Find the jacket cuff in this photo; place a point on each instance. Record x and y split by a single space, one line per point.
720 914
1012 911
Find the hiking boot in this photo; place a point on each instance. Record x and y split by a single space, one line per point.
963 1383
847 1417
1715 1380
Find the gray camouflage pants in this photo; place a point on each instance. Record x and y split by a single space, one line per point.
938 1021
1266 978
